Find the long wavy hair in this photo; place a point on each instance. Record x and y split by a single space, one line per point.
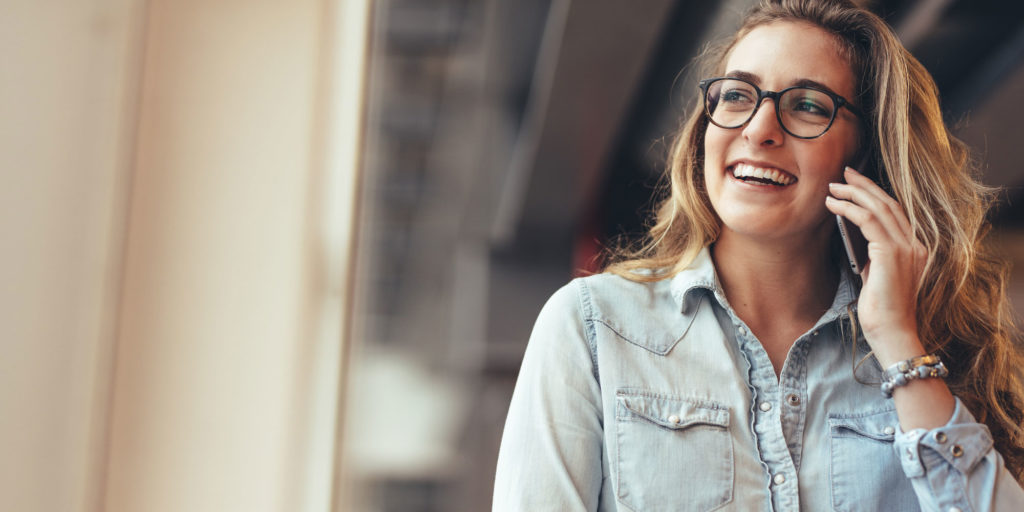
963 312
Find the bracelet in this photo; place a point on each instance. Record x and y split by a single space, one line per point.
915 368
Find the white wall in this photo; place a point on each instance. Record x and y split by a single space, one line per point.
65 108
177 201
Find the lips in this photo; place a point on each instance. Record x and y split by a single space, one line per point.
762 175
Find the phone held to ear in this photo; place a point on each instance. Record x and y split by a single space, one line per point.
853 240
855 244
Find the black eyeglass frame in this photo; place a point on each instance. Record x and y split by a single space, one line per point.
837 100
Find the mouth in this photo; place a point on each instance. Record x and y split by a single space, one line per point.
766 176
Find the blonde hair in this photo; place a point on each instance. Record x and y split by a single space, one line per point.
963 312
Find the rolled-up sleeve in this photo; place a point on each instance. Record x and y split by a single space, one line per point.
550 457
955 468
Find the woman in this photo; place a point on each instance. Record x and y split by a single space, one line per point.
717 368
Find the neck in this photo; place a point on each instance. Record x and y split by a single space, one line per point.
777 281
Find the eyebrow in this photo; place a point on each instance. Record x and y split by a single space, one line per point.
803 82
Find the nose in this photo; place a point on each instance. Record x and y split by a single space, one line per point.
763 129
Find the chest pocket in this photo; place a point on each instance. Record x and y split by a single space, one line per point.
865 471
673 453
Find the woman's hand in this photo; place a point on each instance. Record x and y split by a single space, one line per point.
887 308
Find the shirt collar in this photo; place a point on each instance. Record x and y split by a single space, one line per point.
699 275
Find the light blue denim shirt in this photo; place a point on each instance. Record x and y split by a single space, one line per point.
656 396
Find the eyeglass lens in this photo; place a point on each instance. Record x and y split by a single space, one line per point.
803 112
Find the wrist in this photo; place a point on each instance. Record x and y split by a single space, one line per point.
908 371
895 347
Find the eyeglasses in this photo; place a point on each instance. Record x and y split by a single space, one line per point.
803 112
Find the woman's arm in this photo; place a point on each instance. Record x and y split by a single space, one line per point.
551 451
947 455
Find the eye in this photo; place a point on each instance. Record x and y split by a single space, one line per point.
809 107
808 104
737 96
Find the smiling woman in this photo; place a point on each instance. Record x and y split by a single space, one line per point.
734 362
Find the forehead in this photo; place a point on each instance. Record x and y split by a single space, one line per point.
782 53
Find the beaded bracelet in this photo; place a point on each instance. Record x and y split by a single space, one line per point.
915 368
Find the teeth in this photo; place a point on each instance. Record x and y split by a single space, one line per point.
773 175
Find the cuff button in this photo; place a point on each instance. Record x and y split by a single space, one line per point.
956 450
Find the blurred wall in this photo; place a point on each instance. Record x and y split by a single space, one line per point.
67 88
178 201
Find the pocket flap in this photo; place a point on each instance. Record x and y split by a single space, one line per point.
670 412
880 425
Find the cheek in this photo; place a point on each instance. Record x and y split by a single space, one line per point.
829 162
844 149
715 144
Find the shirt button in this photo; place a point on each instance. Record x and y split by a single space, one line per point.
940 437
957 450
815 333
673 419
793 399
765 406
743 331
890 430
954 509
779 479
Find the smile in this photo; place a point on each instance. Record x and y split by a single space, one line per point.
761 175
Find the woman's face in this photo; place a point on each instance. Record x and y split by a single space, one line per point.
774 57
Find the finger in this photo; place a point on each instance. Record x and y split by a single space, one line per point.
856 178
869 224
876 208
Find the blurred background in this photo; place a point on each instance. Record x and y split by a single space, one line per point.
286 256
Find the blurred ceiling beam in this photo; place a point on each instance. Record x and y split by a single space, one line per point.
575 111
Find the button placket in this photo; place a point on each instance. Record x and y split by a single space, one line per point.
768 426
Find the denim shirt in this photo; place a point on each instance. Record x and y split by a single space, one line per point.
656 396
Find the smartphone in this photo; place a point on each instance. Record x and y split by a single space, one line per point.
854 243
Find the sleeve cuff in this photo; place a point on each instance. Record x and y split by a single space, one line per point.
961 442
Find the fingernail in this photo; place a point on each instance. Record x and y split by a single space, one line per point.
851 169
832 185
